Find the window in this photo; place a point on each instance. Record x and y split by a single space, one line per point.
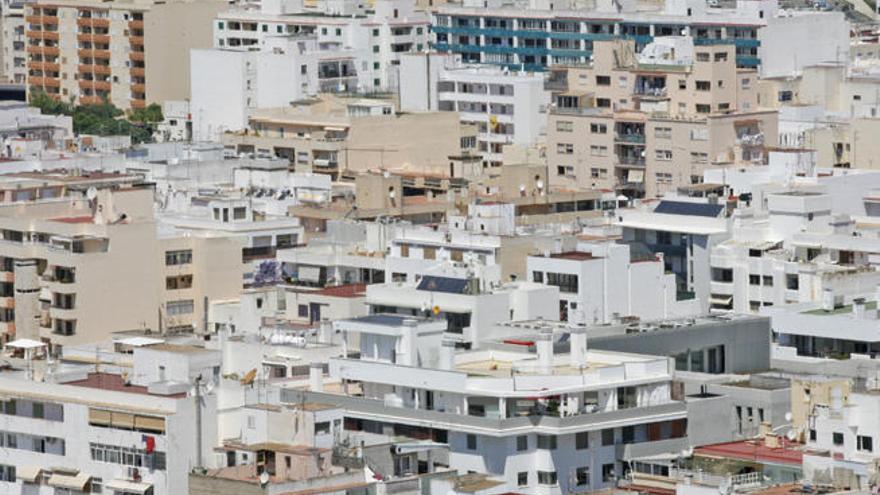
429 253
791 282
404 250
303 310
564 126
603 81
127 456
582 476
663 155
522 443
582 440
566 282
626 397
628 434
182 307
182 257
699 134
538 277
564 148
812 435
547 477
754 280
598 150
522 478
663 132
703 108
607 437
239 213
702 56
598 128
837 438
663 178
608 473
547 442
471 442
768 281
785 96
697 157
721 57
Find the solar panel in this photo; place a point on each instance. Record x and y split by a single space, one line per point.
443 284
689 209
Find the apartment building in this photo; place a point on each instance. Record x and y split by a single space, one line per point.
569 424
649 123
601 282
82 431
520 36
338 136
685 233
507 107
119 52
13 57
259 236
69 262
367 44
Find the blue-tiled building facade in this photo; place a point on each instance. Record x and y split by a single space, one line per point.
535 43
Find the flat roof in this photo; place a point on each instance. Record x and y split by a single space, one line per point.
115 383
575 255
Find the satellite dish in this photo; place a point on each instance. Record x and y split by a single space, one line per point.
791 435
264 478
788 416
92 193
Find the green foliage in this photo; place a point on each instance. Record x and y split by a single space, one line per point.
103 119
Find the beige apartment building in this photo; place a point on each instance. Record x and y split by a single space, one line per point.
76 269
130 53
646 128
341 137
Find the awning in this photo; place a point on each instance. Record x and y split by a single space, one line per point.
28 474
128 486
25 344
635 176
309 273
77 482
721 300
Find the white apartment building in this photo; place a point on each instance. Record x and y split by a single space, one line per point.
601 282
368 45
507 107
81 431
228 84
535 423
685 231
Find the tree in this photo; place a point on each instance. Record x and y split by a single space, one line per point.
103 119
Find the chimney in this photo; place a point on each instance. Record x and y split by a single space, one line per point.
316 377
578 352
858 306
447 355
544 344
406 354
828 300
325 332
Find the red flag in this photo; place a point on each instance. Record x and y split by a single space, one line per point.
151 443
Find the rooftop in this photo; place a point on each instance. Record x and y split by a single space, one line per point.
116 383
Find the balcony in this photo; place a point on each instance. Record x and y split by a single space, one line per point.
93 22
138 72
257 253
50 51
94 69
44 66
135 25
50 82
136 40
103 39
92 53
136 56
41 19
43 35
94 85
135 103
629 161
139 88
90 100
630 138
